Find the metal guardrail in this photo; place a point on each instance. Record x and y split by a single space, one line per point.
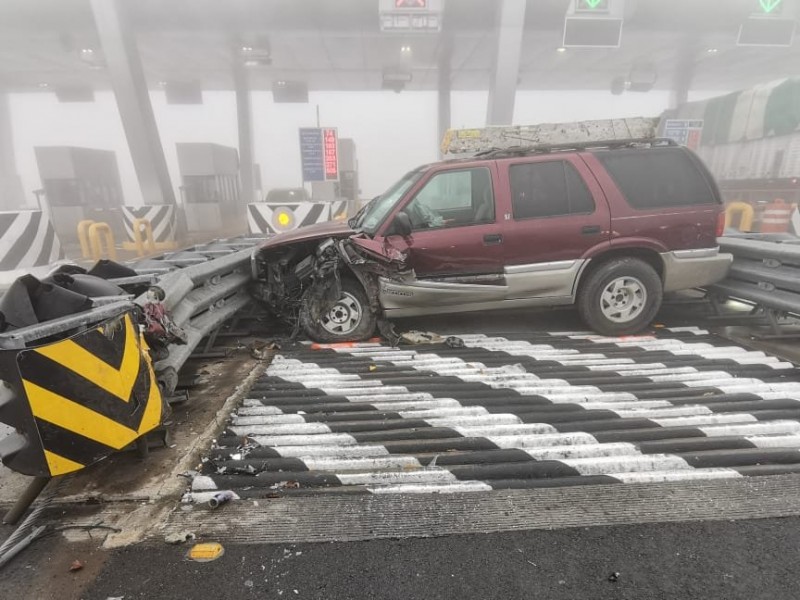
765 273
103 358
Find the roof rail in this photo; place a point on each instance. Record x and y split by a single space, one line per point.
597 145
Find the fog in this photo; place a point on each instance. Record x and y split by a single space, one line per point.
392 132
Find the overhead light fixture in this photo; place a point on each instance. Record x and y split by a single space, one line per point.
93 58
561 49
712 50
280 83
44 84
256 53
405 49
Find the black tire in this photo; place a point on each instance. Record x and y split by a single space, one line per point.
637 300
352 327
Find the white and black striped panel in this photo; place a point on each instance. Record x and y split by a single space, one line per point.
504 413
162 218
338 209
27 239
265 217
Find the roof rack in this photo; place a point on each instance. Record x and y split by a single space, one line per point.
571 147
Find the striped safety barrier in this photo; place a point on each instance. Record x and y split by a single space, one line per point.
267 218
162 218
27 239
527 411
76 401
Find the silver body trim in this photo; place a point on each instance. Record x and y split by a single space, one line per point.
684 269
542 284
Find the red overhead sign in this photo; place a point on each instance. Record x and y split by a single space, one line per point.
331 154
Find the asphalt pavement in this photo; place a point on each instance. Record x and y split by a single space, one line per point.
721 560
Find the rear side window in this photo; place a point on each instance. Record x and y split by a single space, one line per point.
548 189
658 178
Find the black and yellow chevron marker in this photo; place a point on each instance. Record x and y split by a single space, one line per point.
90 395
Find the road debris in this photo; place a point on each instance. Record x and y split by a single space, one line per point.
76 566
205 552
614 577
220 499
179 537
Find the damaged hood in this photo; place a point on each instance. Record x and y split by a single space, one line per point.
309 233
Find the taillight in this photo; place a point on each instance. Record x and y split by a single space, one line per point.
720 224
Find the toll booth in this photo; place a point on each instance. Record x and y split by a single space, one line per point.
210 188
79 184
344 193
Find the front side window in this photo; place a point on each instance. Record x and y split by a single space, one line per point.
453 199
548 189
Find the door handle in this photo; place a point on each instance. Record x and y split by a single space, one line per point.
590 230
492 239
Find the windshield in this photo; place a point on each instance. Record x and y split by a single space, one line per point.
377 210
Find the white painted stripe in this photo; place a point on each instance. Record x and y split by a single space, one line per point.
541 440
340 465
256 403
427 476
774 441
323 439
764 427
453 488
664 476
582 451
605 465
493 430
715 419
275 430
247 419
316 452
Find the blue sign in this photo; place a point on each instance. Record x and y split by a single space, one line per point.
312 154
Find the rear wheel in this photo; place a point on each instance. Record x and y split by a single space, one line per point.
621 297
349 320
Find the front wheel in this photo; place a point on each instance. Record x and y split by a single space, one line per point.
621 297
349 320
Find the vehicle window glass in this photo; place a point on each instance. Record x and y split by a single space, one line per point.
658 177
380 207
548 189
453 199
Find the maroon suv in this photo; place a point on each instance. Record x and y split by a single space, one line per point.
607 226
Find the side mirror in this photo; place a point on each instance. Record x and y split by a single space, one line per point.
401 225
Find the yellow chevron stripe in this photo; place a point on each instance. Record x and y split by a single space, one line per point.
118 382
152 410
59 465
72 416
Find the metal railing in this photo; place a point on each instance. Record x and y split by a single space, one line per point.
765 274
204 286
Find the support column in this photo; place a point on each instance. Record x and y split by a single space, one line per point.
503 90
684 72
444 88
133 100
12 197
244 120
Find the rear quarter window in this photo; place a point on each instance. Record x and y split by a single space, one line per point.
658 178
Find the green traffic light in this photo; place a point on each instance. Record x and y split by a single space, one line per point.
767 5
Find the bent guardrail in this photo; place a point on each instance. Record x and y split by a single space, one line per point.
82 386
765 273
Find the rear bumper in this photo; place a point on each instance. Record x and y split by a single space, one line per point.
684 269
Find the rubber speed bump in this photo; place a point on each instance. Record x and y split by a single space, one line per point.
206 552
